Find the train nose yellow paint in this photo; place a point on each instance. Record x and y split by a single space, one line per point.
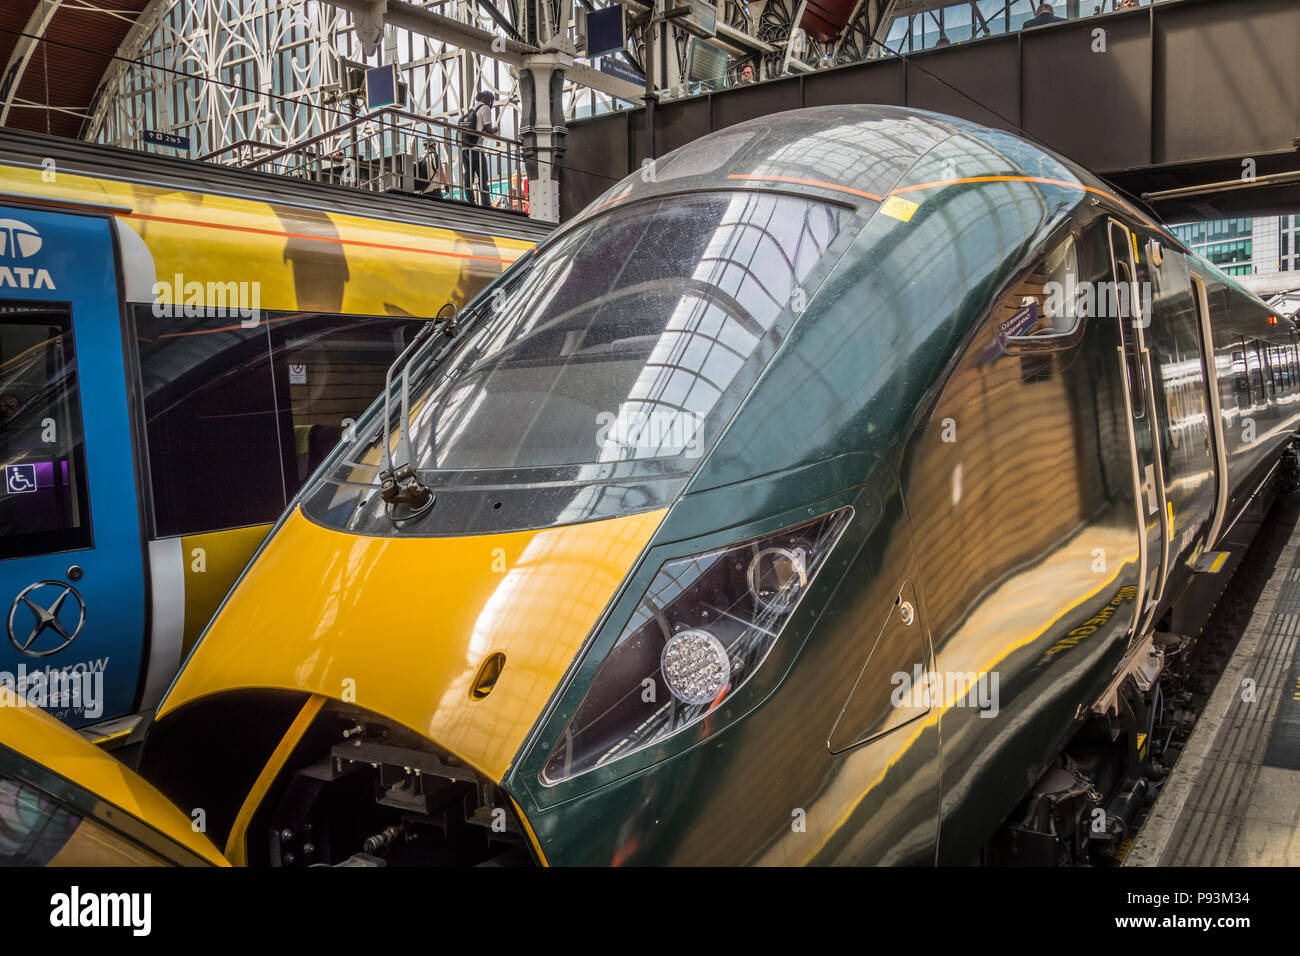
404 626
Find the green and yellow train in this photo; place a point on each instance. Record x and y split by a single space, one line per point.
810 501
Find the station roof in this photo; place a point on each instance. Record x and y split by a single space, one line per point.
48 87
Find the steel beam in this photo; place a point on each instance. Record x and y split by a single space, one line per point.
22 53
406 16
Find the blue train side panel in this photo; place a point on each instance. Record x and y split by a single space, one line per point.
71 552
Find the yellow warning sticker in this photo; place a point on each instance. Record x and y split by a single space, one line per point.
899 208
1212 562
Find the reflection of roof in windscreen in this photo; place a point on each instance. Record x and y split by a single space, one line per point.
855 152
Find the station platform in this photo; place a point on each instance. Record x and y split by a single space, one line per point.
1233 799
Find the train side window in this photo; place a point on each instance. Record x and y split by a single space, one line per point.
1240 377
328 371
1044 306
1256 372
43 504
210 421
36 827
237 418
1269 373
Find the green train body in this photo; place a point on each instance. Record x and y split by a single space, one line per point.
1003 429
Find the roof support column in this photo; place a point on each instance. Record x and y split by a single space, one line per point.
542 129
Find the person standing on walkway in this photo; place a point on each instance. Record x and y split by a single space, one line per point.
473 161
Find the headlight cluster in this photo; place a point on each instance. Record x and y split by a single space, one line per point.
703 627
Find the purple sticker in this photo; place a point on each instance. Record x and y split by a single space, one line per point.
44 474
1024 322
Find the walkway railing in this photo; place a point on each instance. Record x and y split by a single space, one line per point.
924 25
391 150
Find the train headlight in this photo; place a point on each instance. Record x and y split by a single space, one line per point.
703 627
777 576
695 666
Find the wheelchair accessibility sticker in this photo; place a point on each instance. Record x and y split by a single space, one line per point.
20 479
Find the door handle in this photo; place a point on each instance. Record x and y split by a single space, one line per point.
1152 506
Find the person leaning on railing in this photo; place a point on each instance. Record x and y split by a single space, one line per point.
430 177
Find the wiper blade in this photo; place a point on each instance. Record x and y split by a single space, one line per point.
398 484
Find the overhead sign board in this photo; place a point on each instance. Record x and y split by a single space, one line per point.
707 62
174 140
606 30
702 20
612 66
384 88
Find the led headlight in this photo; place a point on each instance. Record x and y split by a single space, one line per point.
703 627
695 666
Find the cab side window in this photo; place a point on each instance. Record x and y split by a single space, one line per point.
1046 300
37 830
328 370
33 827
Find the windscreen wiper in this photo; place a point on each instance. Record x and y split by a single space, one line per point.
399 485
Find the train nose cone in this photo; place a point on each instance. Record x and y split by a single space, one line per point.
409 627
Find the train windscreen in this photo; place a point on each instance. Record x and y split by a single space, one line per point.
624 338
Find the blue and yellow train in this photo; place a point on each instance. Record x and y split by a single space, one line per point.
180 346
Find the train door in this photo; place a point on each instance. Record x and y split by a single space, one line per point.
1129 309
1201 298
71 557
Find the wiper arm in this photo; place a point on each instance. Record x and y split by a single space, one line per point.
399 485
